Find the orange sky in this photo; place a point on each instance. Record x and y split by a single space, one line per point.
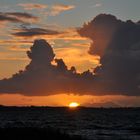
65 99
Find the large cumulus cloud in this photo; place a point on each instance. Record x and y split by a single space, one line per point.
115 41
41 77
100 30
118 44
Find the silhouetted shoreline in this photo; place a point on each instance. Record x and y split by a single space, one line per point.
65 107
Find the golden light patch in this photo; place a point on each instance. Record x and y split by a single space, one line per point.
73 104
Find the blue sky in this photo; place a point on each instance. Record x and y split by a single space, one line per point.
84 10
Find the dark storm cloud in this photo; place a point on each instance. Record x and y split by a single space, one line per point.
16 16
100 30
115 41
41 77
26 32
118 44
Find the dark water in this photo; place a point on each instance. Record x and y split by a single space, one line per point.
95 124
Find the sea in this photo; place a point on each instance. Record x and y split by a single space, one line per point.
90 123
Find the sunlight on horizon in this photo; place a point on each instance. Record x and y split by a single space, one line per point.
74 105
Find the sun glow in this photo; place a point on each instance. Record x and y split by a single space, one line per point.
73 104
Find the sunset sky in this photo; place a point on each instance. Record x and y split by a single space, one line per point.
82 39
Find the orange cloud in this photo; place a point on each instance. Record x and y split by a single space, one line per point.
20 42
53 10
8 66
14 55
2 24
58 8
31 6
17 48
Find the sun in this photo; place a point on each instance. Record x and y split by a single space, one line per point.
73 104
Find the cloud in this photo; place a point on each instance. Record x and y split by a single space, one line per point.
100 30
41 77
16 17
31 6
26 32
11 57
118 44
52 10
58 8
17 48
4 17
115 41
21 15
97 5
47 33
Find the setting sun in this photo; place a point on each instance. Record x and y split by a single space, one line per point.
73 104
